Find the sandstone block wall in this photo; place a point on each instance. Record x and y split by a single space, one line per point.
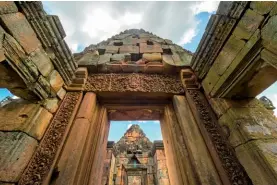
251 130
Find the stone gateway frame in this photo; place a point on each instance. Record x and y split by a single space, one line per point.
188 128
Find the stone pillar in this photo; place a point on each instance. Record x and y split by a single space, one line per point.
175 149
101 143
252 131
75 143
161 170
202 164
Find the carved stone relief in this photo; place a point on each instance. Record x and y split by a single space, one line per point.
134 83
44 157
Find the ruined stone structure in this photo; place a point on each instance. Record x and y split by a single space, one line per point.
134 160
214 129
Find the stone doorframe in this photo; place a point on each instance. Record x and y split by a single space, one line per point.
71 152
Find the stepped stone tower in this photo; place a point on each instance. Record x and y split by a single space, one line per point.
135 160
134 50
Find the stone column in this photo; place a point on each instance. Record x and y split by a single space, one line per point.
252 131
75 143
202 164
174 149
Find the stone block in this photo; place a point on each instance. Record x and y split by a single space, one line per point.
55 80
219 105
152 56
268 34
16 150
51 104
167 41
61 93
7 7
87 106
245 124
112 49
42 61
210 80
262 7
259 159
228 53
129 49
236 61
274 10
89 58
24 116
21 30
121 57
269 57
105 58
248 24
155 48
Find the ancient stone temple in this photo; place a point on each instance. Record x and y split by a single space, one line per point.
214 130
134 160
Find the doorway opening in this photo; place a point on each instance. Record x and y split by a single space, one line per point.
135 153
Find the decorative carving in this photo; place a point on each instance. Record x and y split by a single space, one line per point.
234 170
134 83
44 157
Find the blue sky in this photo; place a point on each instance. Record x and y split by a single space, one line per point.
151 129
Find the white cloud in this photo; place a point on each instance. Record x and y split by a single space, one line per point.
88 23
188 36
129 126
205 6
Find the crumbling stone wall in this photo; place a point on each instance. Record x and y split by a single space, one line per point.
35 68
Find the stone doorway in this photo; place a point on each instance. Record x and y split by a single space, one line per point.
82 159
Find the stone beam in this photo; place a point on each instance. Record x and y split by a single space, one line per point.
244 65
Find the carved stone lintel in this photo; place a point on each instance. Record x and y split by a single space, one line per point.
44 158
134 83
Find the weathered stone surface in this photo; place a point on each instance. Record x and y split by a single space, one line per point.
259 158
61 93
90 58
112 49
205 169
16 150
55 80
26 117
269 57
210 80
21 30
268 34
51 104
248 24
152 56
237 61
227 54
245 124
42 61
121 57
105 58
262 7
7 7
155 48
87 107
